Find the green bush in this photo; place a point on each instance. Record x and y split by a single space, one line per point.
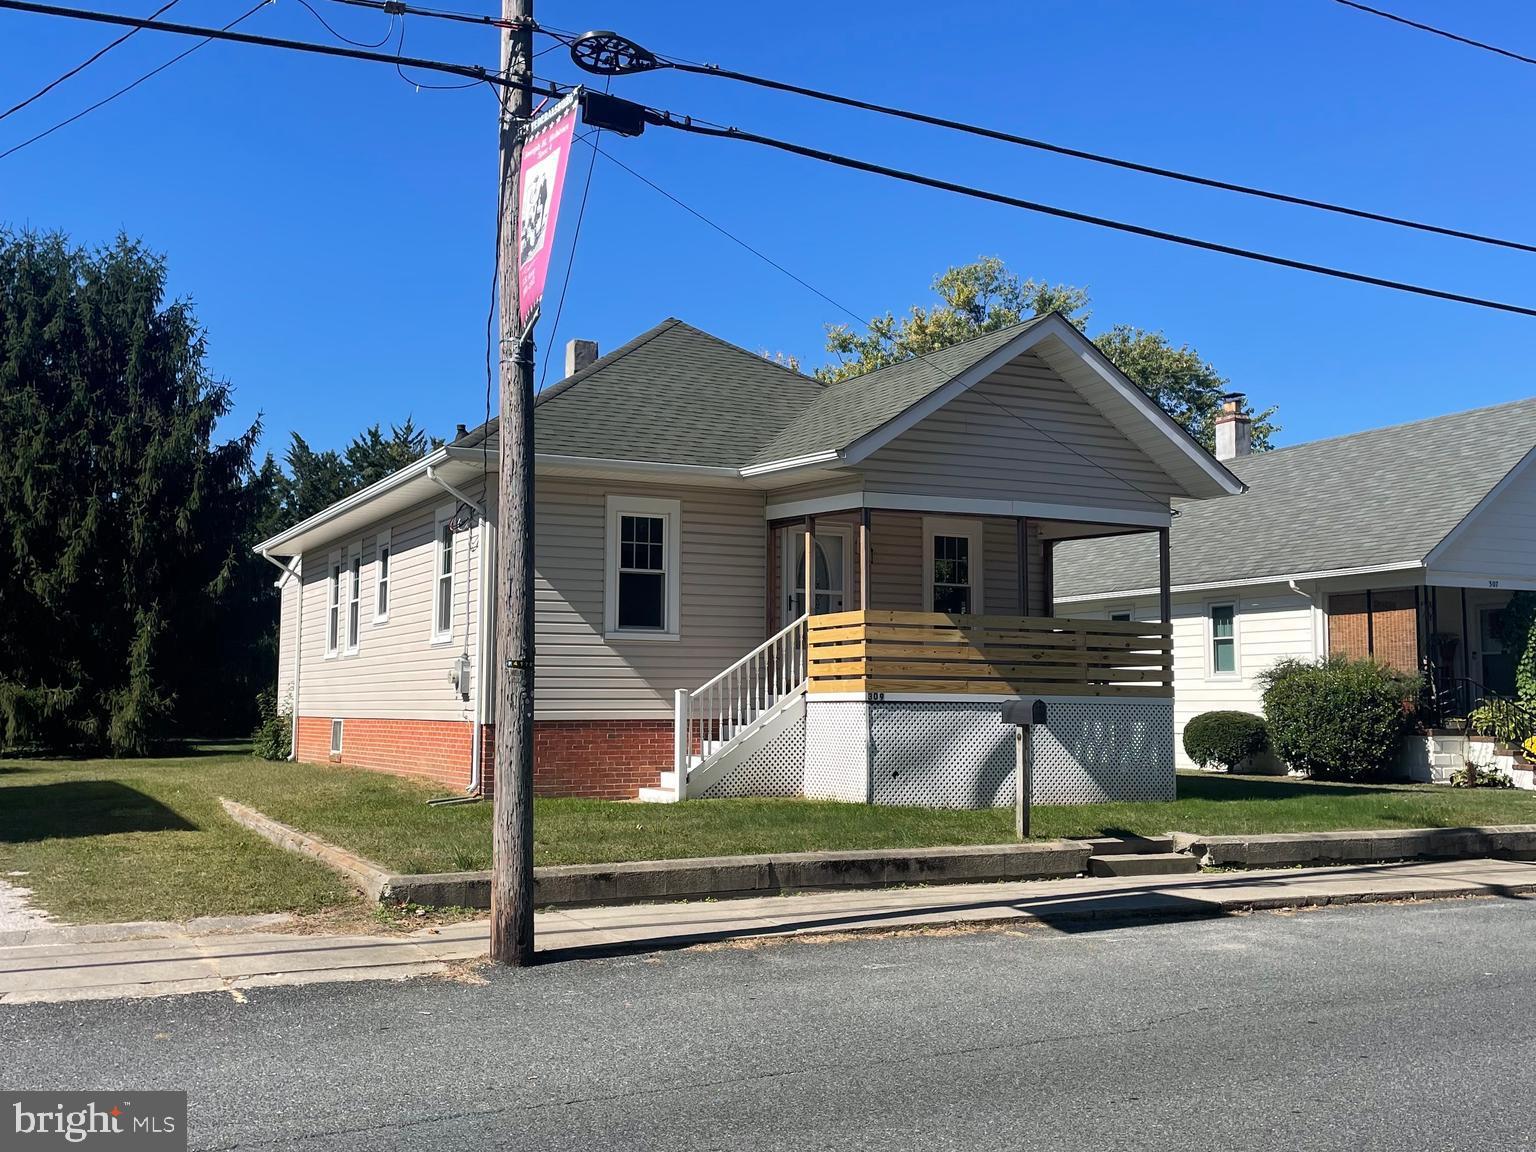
1504 720
1225 739
1338 719
273 738
1472 776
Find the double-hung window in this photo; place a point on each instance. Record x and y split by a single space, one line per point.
952 555
1223 639
354 595
381 557
333 604
642 595
442 578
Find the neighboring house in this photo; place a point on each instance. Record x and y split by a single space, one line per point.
679 479
1402 544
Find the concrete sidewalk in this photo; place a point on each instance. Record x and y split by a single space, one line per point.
58 964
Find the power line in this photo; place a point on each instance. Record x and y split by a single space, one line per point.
921 357
81 67
390 31
720 228
130 87
697 128
1095 157
468 71
1396 19
418 84
398 8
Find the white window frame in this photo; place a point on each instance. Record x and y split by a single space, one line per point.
1124 615
334 568
1210 641
383 575
444 514
671 511
952 526
354 597
337 735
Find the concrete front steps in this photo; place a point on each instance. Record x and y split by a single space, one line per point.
1138 856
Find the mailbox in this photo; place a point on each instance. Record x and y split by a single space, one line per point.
1023 715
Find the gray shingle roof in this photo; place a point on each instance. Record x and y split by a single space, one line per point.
672 394
1382 497
851 408
679 395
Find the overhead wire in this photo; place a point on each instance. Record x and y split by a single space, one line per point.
1095 157
1430 28
84 64
826 157
125 89
388 32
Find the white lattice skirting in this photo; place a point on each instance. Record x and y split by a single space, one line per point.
775 769
959 754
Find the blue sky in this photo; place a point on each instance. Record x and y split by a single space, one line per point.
334 225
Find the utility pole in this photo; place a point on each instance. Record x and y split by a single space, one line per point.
512 829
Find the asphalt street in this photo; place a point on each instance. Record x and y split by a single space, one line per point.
1372 1027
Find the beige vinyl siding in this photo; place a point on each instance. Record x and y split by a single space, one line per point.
896 564
1272 624
582 675
1499 543
287 637
398 671
974 448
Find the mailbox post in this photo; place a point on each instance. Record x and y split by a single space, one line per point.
1023 715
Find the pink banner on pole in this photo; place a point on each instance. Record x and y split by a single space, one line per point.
545 153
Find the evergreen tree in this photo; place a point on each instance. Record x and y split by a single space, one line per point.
123 523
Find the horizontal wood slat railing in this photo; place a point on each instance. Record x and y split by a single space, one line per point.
930 652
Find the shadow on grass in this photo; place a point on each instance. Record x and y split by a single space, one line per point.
82 808
1220 788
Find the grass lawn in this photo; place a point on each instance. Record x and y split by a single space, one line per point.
135 839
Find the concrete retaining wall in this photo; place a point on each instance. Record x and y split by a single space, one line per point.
1517 841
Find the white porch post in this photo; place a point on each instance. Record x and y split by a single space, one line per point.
681 742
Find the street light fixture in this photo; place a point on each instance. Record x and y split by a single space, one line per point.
609 54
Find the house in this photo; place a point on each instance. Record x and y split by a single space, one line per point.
689 493
1402 544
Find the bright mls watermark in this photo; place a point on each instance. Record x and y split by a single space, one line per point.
125 1121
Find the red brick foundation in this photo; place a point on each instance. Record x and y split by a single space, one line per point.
606 759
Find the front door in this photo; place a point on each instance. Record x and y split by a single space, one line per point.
831 564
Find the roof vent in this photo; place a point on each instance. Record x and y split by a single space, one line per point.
579 354
1234 428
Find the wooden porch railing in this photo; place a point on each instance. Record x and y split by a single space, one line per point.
930 652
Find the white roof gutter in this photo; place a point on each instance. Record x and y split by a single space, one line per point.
395 480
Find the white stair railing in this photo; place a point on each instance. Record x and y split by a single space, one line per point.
715 715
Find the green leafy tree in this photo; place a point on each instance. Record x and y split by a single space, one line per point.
122 519
373 455
984 296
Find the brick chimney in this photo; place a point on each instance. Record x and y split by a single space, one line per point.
1234 429
578 355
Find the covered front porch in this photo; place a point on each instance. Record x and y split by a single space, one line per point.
885 684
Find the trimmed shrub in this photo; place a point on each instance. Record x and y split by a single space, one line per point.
1338 719
273 738
1225 739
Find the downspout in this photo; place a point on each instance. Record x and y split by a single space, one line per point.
298 644
476 770
1312 604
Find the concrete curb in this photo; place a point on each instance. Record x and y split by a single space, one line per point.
724 877
1284 849
367 875
573 885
